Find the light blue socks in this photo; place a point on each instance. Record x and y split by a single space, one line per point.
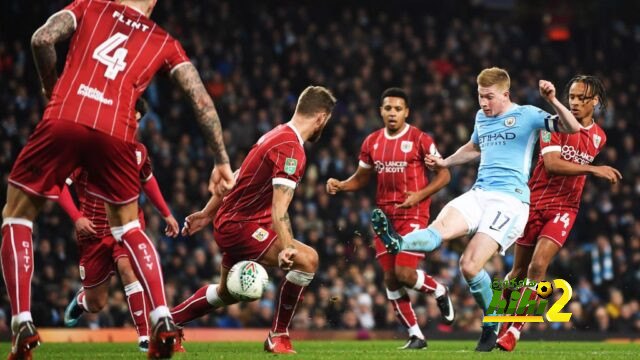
424 240
480 286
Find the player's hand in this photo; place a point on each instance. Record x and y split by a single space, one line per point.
547 90
608 173
285 258
333 186
434 162
413 199
221 180
85 227
195 222
172 229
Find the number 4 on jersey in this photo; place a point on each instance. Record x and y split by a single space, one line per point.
115 63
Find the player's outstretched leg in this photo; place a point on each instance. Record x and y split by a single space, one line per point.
17 268
385 231
202 302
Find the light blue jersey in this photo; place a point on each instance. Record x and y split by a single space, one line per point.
506 144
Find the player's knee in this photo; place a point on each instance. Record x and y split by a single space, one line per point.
518 273
310 260
405 275
126 272
95 303
537 269
469 267
390 280
225 295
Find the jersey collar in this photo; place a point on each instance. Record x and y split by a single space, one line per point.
398 135
589 126
289 124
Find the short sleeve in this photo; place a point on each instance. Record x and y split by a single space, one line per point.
541 119
288 161
175 56
428 146
144 163
364 159
549 142
77 10
474 135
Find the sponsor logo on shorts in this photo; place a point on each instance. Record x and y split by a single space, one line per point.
138 157
290 165
82 273
260 234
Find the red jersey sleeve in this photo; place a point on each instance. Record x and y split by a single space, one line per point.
77 10
364 159
550 142
288 161
428 146
145 171
175 56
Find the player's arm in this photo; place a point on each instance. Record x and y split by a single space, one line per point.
83 225
188 79
463 155
152 190
198 220
282 196
567 123
556 165
58 28
355 182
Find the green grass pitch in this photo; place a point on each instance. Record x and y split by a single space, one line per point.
351 350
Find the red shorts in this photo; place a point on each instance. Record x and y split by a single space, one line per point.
243 241
552 224
57 147
403 258
98 258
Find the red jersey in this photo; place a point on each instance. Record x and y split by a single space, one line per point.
277 158
114 53
550 192
399 164
92 207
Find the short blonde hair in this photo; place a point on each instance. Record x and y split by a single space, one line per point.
494 76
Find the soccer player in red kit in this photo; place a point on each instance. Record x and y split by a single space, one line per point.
100 252
395 154
89 122
251 222
556 189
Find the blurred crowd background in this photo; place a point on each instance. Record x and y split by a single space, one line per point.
255 58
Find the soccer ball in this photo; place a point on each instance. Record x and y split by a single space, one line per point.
544 289
247 280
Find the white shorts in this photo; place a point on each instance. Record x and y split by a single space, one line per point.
498 215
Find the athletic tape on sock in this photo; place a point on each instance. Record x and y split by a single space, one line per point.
17 221
396 294
118 231
299 278
134 287
212 296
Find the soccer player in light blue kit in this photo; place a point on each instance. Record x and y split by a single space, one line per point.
495 211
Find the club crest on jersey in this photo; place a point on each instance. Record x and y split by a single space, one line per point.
596 140
546 136
510 121
290 165
406 146
260 234
375 146
138 157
